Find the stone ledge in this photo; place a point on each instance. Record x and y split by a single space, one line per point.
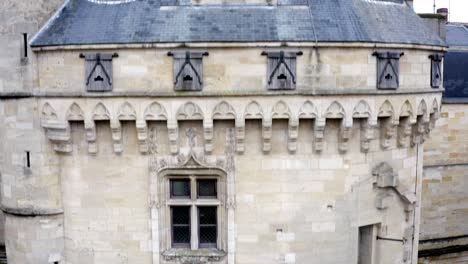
31 212
184 255
303 92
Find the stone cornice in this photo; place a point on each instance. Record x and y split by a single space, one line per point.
301 92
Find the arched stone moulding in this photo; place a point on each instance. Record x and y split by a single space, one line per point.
221 111
402 117
337 111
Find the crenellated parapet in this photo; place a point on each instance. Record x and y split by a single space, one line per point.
404 119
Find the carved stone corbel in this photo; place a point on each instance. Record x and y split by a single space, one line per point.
404 133
240 135
319 133
388 131
91 137
173 132
293 132
386 180
367 134
142 135
266 134
58 134
208 134
116 130
421 129
345 134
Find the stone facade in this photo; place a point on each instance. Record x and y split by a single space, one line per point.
84 174
445 200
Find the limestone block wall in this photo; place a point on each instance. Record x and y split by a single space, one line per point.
445 185
301 189
34 239
30 191
288 209
305 171
24 190
17 73
235 70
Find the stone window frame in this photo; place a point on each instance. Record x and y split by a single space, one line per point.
211 166
194 202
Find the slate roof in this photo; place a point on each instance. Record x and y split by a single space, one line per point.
456 64
82 22
457 35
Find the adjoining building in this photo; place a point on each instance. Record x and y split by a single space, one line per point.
444 216
209 131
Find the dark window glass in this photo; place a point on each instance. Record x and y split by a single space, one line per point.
207 220
206 188
180 218
180 188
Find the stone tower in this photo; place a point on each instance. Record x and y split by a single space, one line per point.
208 131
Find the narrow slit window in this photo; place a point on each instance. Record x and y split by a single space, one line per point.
180 219
28 159
207 229
25 45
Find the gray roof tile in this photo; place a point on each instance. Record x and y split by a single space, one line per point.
161 21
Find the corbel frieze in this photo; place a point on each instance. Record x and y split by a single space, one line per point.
406 128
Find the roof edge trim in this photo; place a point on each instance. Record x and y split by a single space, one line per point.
241 45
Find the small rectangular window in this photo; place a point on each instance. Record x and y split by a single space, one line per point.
207 226
281 70
180 219
388 69
98 71
180 188
207 188
188 70
436 70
